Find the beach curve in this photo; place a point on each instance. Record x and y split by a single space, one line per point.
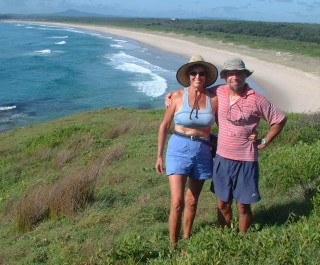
291 89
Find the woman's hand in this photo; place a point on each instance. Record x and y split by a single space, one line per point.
159 166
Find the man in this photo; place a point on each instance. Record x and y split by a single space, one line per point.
236 172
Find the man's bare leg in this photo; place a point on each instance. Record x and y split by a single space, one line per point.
224 213
245 217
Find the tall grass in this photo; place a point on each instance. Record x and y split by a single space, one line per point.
64 197
83 190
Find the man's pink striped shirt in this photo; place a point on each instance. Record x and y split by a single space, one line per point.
239 120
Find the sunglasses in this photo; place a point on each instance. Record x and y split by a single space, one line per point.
194 73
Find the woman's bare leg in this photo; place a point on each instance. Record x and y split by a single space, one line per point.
177 184
191 202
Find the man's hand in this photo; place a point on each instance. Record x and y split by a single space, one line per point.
253 137
261 144
168 101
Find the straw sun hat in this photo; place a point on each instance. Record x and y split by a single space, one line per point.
183 72
232 64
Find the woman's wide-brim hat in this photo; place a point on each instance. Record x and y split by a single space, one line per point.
232 64
183 72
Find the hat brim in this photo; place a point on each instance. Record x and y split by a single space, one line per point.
223 72
183 73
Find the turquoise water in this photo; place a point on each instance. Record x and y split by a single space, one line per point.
49 72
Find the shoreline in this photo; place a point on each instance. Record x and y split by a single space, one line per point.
290 89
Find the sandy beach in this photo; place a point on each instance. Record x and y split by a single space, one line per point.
291 82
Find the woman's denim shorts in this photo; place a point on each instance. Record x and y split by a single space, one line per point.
187 157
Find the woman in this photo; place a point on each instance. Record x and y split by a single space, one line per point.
188 153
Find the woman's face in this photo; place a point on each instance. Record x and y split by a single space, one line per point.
197 76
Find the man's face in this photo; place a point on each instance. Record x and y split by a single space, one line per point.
235 79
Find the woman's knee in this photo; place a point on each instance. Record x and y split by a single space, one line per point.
191 201
177 205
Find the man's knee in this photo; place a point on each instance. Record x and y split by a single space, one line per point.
244 209
224 206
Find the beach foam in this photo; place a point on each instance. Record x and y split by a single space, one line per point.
58 37
150 82
45 51
7 108
60 42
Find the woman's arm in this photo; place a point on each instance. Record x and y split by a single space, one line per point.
214 105
164 129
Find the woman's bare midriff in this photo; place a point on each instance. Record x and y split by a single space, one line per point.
199 132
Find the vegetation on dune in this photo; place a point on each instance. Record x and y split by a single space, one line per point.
83 190
288 37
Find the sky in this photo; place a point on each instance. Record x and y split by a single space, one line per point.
305 11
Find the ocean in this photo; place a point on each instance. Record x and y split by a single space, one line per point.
48 72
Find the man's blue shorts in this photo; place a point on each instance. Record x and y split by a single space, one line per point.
236 180
187 157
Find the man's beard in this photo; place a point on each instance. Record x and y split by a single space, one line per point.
236 88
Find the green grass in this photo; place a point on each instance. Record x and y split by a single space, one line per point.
83 190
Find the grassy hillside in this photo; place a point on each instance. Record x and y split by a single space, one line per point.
83 190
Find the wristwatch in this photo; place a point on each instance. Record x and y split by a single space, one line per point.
263 141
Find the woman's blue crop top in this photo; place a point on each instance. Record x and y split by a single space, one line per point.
205 117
